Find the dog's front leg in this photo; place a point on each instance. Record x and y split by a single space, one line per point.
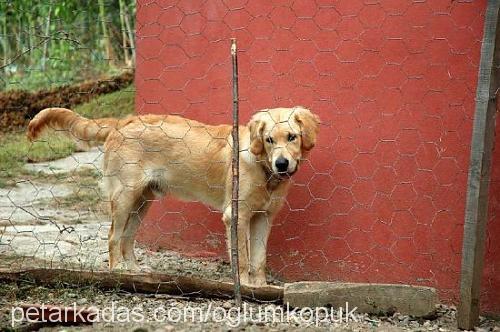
244 216
260 227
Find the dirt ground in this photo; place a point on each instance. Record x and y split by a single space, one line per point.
17 106
55 217
13 294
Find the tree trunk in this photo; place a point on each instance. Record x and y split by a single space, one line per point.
47 36
130 35
124 34
19 34
105 33
31 32
5 42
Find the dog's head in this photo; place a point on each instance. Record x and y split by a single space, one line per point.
281 137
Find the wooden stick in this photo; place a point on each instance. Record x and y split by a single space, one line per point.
235 169
156 283
476 211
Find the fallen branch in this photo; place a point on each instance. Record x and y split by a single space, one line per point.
145 283
418 301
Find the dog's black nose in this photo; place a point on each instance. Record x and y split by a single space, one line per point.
281 164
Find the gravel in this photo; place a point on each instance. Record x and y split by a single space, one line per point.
217 314
63 240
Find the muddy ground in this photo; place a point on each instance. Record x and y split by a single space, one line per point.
55 217
18 106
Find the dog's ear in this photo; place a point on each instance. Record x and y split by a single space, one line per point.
309 127
256 127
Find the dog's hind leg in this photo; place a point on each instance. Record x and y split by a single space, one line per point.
128 238
123 201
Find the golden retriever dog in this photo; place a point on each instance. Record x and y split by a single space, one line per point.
155 155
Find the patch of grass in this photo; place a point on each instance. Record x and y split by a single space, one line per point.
86 194
16 150
58 291
85 198
116 104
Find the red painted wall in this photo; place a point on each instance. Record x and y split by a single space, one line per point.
382 197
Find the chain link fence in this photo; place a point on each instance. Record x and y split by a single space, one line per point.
378 197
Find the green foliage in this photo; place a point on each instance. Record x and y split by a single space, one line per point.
50 43
116 104
16 150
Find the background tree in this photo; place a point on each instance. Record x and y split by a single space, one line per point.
54 42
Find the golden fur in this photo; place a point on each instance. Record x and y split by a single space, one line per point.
85 132
154 155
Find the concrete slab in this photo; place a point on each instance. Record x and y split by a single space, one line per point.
77 161
368 298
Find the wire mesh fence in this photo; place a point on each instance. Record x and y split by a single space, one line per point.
365 182
381 197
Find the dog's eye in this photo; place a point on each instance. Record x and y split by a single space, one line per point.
291 137
269 140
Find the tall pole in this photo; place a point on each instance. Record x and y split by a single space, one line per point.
483 136
236 175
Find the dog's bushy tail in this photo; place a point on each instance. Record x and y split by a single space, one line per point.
88 132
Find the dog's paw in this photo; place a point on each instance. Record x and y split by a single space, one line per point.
256 282
118 267
137 268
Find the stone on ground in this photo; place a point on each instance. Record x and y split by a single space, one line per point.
368 298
